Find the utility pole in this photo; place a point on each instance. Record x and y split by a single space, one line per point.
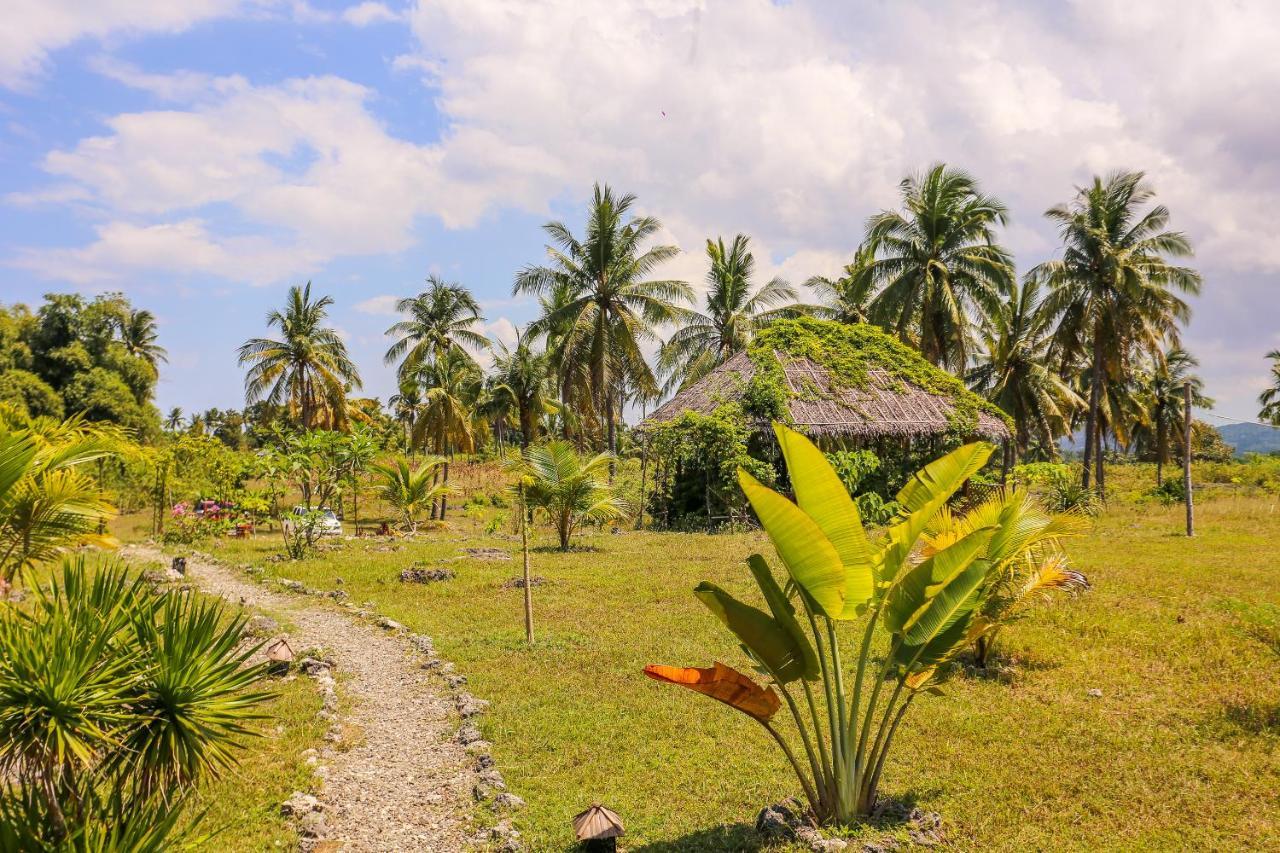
1186 459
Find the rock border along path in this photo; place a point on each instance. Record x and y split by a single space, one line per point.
405 782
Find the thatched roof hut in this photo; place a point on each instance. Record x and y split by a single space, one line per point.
841 382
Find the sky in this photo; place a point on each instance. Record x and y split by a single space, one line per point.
202 156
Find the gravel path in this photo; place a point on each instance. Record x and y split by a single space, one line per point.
403 784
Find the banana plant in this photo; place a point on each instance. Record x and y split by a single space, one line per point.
899 614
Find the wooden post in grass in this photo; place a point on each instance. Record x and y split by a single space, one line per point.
1186 459
528 582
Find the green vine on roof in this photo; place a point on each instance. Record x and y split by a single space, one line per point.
848 352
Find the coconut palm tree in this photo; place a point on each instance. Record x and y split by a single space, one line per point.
571 489
522 380
1013 371
611 306
173 421
406 405
410 490
735 309
307 369
138 334
1115 290
441 318
847 299
450 388
1163 401
938 263
1270 398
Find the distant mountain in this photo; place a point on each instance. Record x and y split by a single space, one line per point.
1251 438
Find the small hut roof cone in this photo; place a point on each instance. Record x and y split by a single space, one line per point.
597 824
280 652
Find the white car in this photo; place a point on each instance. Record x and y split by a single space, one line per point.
326 525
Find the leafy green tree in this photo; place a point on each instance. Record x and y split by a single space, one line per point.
1013 370
847 299
357 454
441 318
938 264
572 490
610 305
30 394
1115 291
735 308
1270 398
307 369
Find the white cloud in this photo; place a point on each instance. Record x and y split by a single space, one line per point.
364 14
303 163
384 305
501 330
35 28
791 122
185 247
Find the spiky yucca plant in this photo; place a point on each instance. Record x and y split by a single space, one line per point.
115 701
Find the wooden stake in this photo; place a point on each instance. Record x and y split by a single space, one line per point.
528 582
1186 459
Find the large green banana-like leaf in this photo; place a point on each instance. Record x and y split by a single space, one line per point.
784 613
913 592
809 556
824 498
770 642
926 493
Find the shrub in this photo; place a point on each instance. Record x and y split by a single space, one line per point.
115 702
1063 493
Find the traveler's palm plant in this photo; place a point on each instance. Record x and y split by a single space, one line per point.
572 490
910 612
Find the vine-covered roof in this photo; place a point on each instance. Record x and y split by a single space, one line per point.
838 380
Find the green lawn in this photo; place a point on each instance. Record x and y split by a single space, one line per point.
1180 751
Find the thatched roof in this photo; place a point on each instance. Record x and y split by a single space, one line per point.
882 403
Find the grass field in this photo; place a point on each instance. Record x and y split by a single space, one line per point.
1180 750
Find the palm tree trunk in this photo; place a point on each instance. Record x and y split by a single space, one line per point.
1091 420
435 502
613 439
1100 478
1160 441
444 499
